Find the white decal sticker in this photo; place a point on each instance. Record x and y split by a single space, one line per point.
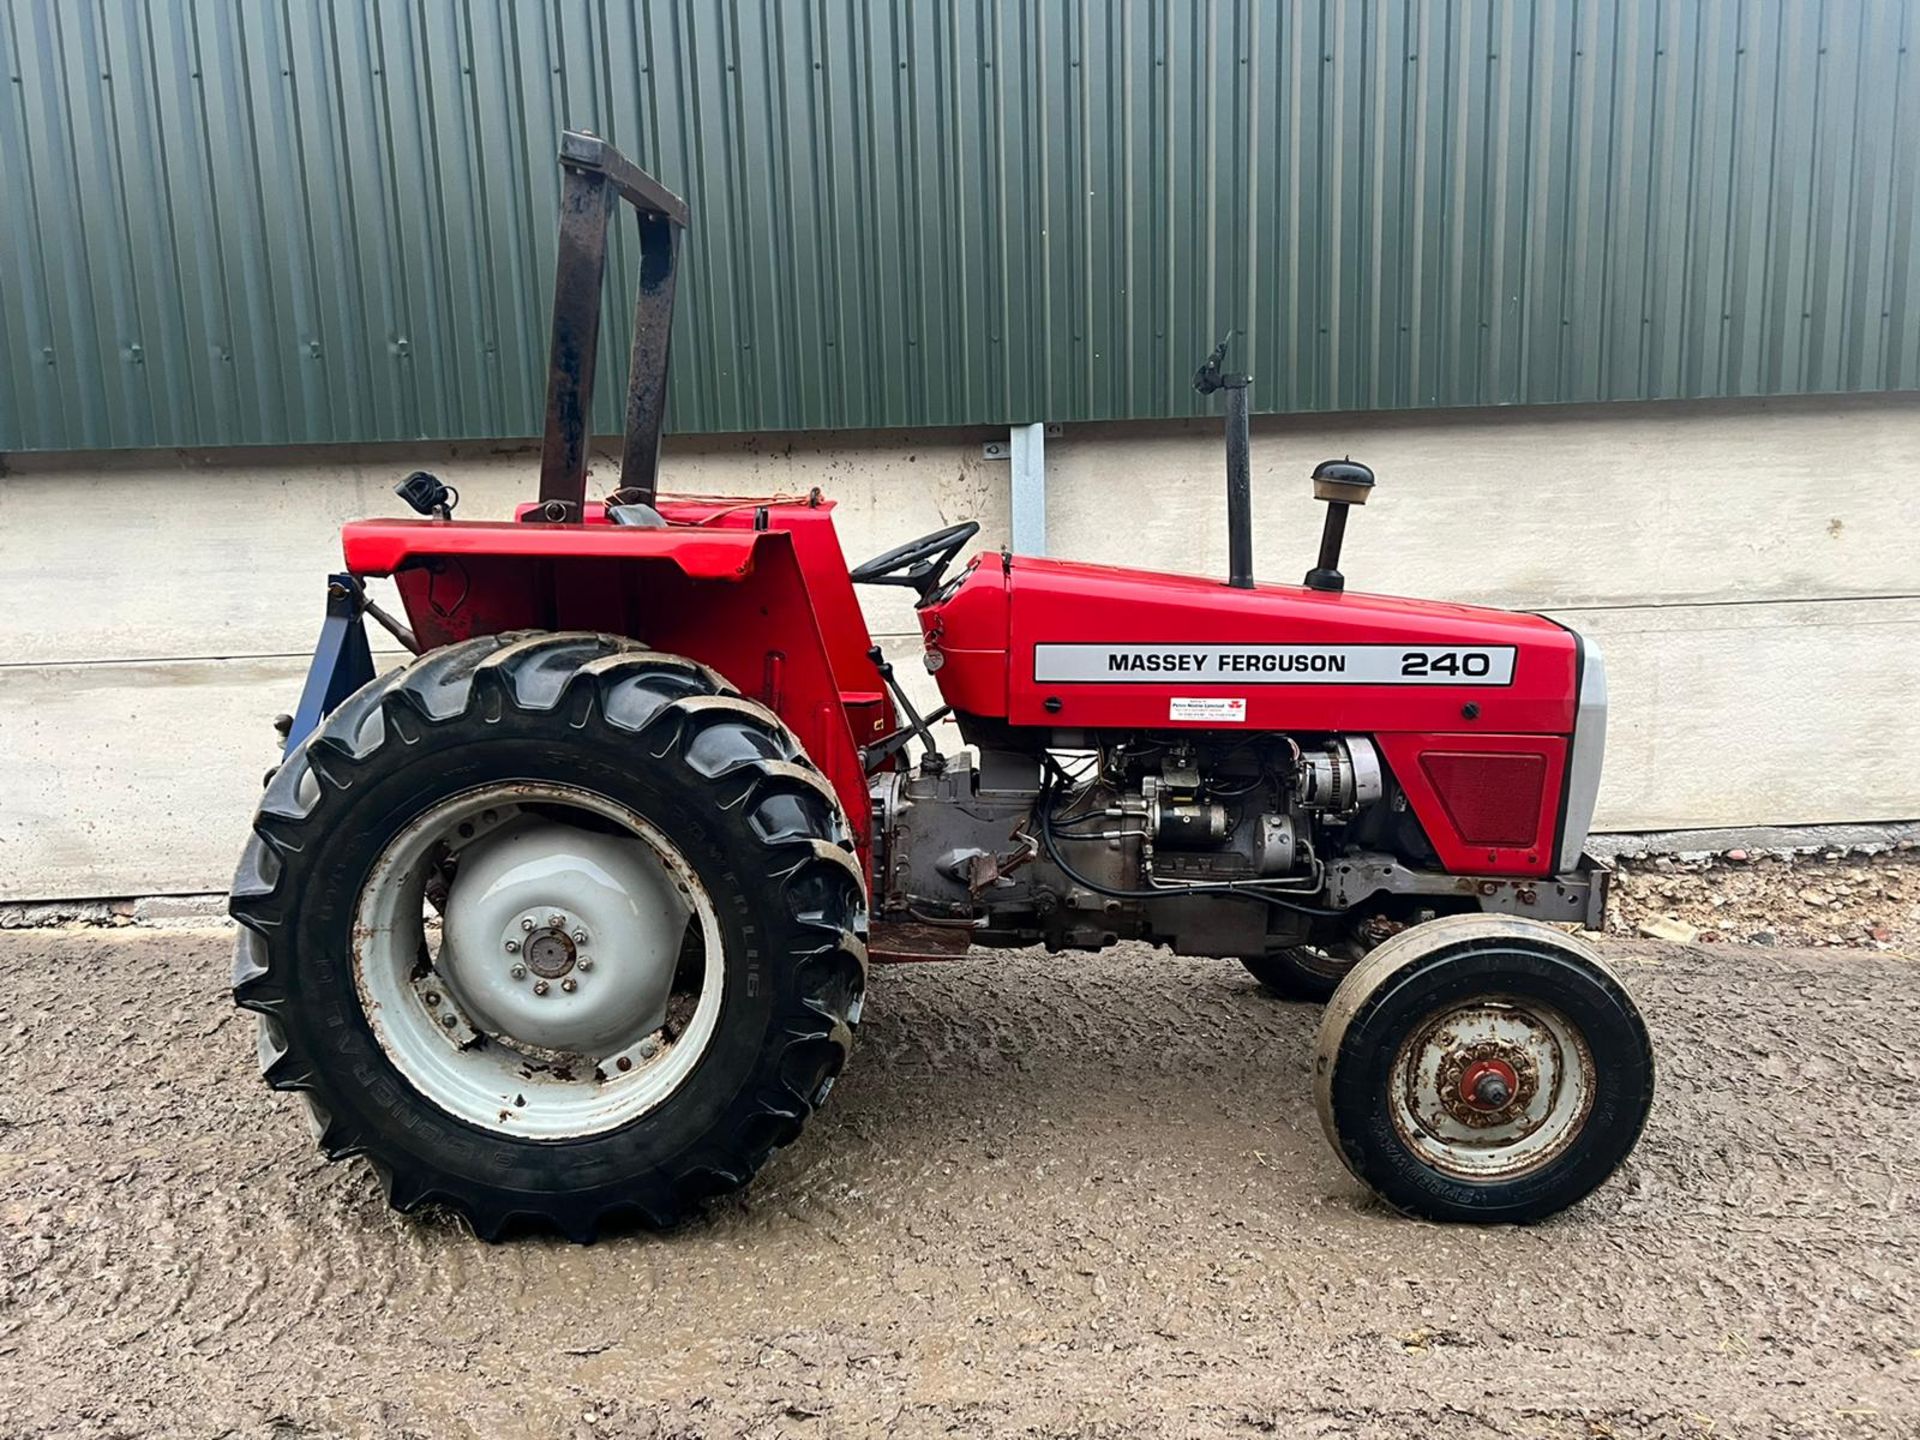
1233 711
1275 664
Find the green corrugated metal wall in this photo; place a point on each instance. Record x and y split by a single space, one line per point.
273 221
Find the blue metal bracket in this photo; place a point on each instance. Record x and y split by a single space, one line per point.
342 661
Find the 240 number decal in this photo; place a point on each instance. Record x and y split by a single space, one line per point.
1472 664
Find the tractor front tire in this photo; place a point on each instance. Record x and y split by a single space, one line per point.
1483 1068
649 956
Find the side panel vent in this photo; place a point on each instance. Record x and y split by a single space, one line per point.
1492 797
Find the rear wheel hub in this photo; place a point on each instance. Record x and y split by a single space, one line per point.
548 1007
528 898
550 954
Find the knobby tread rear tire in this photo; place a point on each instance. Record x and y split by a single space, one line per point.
720 775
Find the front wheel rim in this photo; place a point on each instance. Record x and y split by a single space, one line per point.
577 975
1492 1089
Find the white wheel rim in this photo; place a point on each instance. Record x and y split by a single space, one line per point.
1449 1072
603 1042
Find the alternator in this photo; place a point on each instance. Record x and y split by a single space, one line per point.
1341 776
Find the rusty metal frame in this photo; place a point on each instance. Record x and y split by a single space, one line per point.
596 176
1578 895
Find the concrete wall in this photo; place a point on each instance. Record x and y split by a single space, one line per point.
1750 570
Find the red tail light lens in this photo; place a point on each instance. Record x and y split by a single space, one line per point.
1492 797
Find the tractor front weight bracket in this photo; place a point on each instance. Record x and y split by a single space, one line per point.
342 661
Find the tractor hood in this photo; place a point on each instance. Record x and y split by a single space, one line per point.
1067 645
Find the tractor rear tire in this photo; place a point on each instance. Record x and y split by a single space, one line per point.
649 761
1483 1068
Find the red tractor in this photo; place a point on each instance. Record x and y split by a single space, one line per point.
568 919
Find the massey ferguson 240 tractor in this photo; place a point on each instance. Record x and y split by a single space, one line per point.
568 920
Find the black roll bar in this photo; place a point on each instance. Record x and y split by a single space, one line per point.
595 176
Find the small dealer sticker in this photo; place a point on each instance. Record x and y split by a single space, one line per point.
1233 711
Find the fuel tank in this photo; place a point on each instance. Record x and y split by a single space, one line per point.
1474 709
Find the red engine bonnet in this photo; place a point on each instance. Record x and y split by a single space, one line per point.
1481 757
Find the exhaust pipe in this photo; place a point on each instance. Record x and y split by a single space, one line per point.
1239 485
1206 380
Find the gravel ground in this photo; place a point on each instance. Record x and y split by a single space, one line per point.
1849 899
1078 1197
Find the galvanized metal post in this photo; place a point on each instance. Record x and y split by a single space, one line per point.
1028 500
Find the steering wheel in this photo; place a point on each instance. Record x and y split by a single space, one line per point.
918 564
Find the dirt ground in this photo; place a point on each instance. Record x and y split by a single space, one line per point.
1078 1197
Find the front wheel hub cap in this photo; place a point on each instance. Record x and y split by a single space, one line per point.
1487 1082
1489 1085
565 879
1490 1088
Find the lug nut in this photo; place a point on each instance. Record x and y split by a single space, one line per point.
527 924
539 987
513 947
433 998
448 1021
518 972
583 963
649 1048
556 922
625 1062
579 937
569 984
